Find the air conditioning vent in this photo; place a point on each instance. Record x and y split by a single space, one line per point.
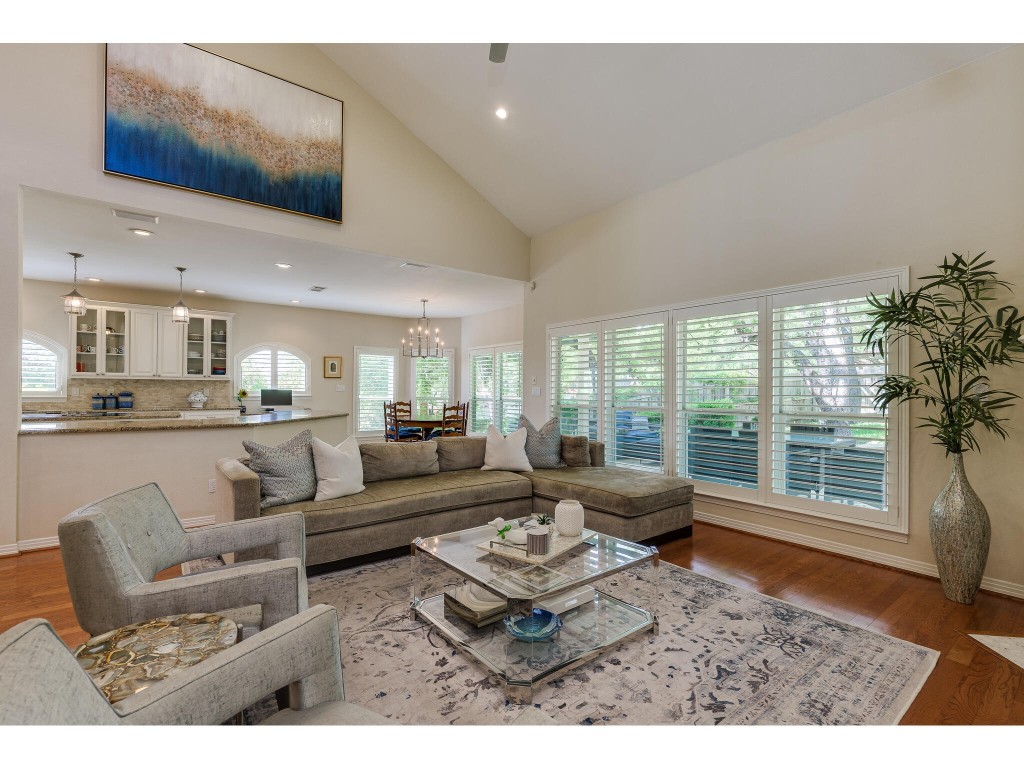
415 266
318 288
135 216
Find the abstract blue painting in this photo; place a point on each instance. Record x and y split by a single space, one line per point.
181 116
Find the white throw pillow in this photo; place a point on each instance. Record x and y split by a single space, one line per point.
339 469
509 452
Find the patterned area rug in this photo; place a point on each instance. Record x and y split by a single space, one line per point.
724 656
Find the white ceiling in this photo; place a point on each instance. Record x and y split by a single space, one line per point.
238 264
589 125
593 124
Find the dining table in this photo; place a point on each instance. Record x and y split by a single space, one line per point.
425 425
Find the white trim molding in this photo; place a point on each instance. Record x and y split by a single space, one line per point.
51 542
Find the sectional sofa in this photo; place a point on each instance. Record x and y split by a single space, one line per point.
438 486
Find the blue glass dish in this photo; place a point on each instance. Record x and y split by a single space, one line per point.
540 625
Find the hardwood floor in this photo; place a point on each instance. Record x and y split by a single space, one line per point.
970 685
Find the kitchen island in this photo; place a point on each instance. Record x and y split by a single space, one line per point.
68 463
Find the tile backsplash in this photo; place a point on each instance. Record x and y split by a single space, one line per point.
166 395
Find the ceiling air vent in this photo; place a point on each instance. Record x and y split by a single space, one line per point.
318 288
135 216
415 266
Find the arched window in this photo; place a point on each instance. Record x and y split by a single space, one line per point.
273 366
43 367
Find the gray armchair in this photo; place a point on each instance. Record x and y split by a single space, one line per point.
112 549
41 683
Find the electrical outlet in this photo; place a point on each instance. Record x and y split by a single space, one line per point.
75 391
213 486
339 387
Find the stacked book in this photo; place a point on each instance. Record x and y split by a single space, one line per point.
474 604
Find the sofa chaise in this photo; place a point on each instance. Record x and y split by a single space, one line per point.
424 489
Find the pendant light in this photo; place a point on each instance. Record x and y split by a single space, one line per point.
420 344
179 312
74 302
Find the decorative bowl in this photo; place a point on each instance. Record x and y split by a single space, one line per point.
540 625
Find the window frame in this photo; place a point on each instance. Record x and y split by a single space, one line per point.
493 350
894 527
274 349
393 352
61 354
447 354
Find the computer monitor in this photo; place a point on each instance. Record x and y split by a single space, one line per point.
275 397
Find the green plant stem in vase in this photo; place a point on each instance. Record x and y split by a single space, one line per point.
950 321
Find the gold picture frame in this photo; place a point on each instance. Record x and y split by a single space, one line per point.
332 367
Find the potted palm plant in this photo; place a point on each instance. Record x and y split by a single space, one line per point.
948 318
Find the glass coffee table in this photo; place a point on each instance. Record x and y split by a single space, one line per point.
576 584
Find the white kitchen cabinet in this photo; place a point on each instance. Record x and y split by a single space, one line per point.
157 348
207 346
100 340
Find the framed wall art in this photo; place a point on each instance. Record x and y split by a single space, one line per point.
332 367
180 116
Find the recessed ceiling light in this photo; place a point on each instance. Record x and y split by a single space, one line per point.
141 232
295 301
94 279
200 290
282 265
502 113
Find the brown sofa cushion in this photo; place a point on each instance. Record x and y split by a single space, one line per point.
455 453
576 450
391 461
621 492
409 497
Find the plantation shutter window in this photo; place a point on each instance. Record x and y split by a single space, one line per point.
634 392
717 394
273 366
830 448
575 383
432 385
42 367
496 388
375 385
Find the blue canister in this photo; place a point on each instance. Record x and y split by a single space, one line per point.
124 400
97 402
110 402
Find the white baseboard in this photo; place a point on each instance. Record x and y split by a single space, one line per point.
893 561
52 541
8 549
46 543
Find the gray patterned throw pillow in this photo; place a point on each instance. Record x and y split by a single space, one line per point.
286 471
544 445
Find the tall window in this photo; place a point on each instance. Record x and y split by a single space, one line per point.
575 378
273 366
376 370
496 388
43 367
433 385
828 443
717 393
634 392
765 398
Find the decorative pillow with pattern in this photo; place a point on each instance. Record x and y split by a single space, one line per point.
544 445
287 471
576 450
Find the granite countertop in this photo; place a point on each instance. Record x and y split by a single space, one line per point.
151 423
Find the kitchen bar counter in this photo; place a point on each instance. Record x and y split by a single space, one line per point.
195 420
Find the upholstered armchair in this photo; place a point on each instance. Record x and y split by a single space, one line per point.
113 549
42 683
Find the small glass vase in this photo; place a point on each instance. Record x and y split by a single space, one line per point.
241 407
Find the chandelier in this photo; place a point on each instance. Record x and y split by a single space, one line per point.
420 343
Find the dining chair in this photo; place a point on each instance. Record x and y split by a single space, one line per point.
453 419
393 431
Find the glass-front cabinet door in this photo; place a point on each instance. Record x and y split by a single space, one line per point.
101 342
206 346
196 345
218 346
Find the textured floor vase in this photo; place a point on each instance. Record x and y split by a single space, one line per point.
725 655
960 533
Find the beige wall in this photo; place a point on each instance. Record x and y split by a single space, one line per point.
899 182
502 326
315 332
400 199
